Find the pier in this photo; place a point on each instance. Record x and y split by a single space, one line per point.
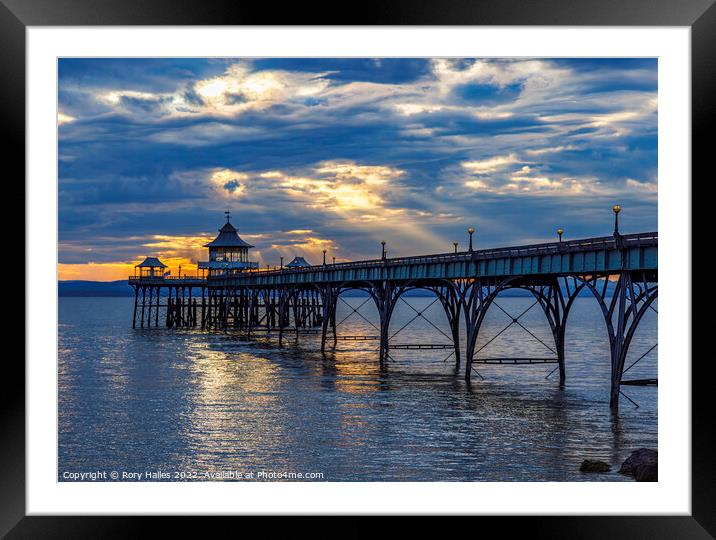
620 271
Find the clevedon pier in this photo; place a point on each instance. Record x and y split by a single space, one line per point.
231 293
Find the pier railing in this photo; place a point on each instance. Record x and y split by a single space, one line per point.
604 243
552 248
167 279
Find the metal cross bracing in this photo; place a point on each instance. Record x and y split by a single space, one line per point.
623 300
620 273
515 320
355 311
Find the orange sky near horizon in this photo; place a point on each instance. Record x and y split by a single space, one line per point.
186 250
118 271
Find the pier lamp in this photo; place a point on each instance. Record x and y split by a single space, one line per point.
281 263
324 257
616 209
470 231
455 246
334 260
560 232
180 270
382 251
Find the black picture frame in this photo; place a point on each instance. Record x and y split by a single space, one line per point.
700 15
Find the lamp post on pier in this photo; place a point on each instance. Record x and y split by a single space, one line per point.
617 236
470 231
324 257
382 251
560 232
281 263
455 246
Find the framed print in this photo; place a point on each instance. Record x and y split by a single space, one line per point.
404 264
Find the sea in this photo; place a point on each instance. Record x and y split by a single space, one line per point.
158 404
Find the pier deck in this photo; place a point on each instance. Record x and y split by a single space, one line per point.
620 271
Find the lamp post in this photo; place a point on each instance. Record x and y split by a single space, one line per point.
560 232
382 251
324 257
455 246
334 260
616 209
470 231
281 263
180 270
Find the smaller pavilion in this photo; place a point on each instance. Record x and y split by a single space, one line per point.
298 262
151 267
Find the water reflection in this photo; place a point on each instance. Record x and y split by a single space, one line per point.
188 400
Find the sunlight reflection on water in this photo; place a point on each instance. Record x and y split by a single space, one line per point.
150 399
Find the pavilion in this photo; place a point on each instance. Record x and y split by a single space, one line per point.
228 253
151 267
298 262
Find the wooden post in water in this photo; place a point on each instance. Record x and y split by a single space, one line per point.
144 296
168 322
136 297
203 308
250 321
189 317
156 314
150 300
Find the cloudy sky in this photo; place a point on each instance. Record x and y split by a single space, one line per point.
339 154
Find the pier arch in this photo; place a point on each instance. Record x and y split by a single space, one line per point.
622 312
447 294
554 298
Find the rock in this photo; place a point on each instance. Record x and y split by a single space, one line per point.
646 472
642 464
594 465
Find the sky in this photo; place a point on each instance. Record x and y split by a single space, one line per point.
340 154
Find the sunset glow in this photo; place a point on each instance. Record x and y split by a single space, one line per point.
339 154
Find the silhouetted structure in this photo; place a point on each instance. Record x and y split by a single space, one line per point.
151 267
228 253
620 272
298 262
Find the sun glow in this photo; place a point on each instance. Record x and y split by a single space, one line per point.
64 118
211 89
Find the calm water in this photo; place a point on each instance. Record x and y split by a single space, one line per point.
190 403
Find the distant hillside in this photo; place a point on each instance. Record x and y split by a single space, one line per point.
94 288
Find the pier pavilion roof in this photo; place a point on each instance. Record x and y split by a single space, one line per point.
151 262
228 237
298 261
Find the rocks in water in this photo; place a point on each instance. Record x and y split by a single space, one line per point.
594 465
643 465
646 473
